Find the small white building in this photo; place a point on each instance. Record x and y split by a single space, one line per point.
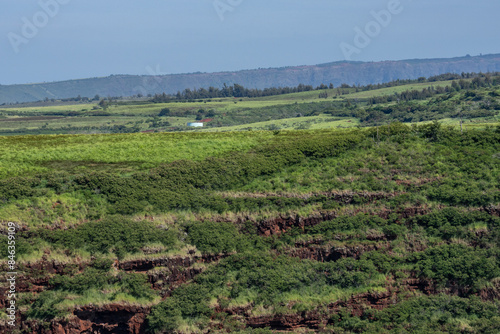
196 124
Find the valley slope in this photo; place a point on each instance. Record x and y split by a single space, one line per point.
362 73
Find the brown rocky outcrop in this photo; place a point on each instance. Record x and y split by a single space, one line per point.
358 303
414 211
148 264
326 254
106 319
167 280
420 284
287 322
490 293
493 210
168 262
342 196
315 319
34 277
282 224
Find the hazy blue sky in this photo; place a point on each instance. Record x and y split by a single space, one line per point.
88 38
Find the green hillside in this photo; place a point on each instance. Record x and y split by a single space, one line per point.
386 229
357 209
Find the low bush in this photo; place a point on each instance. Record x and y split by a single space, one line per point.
115 233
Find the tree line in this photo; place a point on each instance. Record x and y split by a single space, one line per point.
239 91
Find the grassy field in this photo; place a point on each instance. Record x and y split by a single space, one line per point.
396 89
235 114
64 107
474 123
230 113
29 119
350 93
221 104
28 154
312 122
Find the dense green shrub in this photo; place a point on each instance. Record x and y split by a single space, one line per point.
210 237
383 263
101 264
348 272
44 307
187 301
164 316
115 233
272 276
20 187
458 265
427 314
461 192
393 231
23 245
136 285
91 278
451 222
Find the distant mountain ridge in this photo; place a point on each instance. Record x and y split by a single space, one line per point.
362 73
